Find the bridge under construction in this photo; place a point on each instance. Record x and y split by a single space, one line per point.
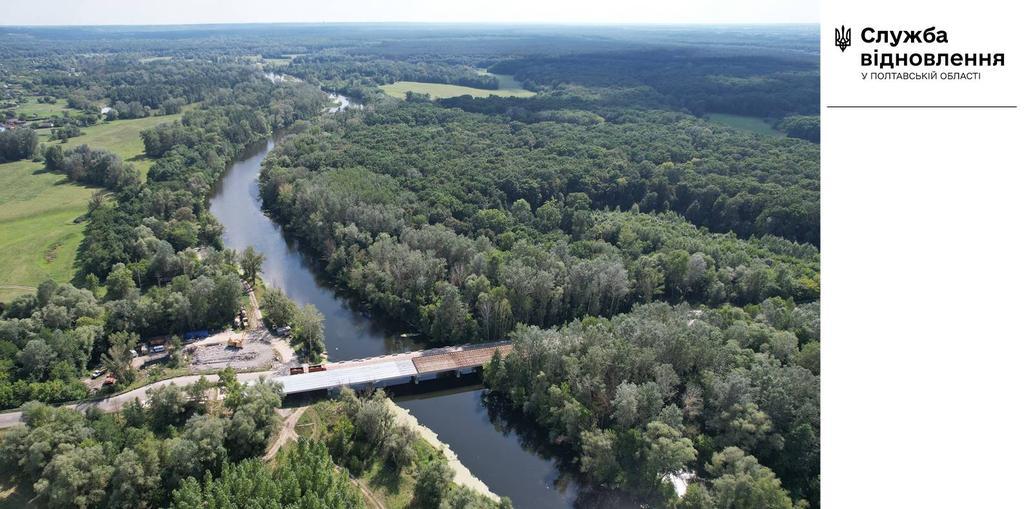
400 367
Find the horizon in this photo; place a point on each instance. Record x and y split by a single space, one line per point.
71 13
430 23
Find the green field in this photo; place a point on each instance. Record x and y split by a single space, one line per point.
35 109
751 124
120 137
509 87
38 235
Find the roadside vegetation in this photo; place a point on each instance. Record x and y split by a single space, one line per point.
139 456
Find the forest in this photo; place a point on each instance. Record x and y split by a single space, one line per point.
658 274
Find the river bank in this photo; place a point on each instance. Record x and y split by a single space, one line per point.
499 460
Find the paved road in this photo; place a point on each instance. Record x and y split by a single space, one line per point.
116 402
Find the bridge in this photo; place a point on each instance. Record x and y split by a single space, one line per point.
400 367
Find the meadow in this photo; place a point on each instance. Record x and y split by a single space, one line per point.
35 109
751 124
508 87
38 232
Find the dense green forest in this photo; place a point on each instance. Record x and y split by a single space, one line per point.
658 274
470 218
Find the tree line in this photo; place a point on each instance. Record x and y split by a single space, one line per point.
702 80
728 394
438 249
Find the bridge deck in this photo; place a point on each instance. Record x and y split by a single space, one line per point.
393 367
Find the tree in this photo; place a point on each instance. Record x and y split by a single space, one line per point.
598 457
304 476
120 282
254 420
277 308
449 317
118 359
667 451
133 482
36 358
208 433
17 144
374 420
743 483
251 263
77 477
168 405
308 331
433 483
398 446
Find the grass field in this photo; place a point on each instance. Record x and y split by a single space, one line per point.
509 87
752 124
38 235
34 109
120 137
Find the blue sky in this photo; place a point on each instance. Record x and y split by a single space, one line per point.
144 12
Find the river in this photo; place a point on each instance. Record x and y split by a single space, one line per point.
505 459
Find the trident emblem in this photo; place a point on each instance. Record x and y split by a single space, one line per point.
843 37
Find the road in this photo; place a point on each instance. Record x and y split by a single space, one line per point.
118 401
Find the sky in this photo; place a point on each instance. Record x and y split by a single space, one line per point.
173 12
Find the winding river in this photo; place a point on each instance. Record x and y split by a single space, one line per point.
507 459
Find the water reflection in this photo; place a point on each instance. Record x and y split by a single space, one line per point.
498 447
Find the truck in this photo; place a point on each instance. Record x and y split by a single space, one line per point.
236 342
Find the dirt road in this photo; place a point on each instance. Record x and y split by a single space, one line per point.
287 433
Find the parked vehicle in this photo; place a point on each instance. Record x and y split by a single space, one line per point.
283 331
98 373
159 349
